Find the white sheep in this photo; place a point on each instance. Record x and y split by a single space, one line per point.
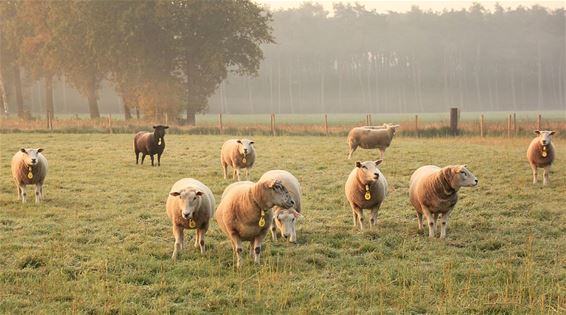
365 188
433 191
244 213
29 167
237 153
371 137
541 154
190 205
285 219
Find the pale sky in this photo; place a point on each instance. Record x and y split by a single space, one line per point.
382 6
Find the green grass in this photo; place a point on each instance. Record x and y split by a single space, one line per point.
101 241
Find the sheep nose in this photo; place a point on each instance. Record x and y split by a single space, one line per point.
292 202
376 175
33 160
187 215
286 236
476 181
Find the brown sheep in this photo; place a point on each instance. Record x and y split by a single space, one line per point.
148 143
365 188
371 137
541 154
433 191
244 213
29 167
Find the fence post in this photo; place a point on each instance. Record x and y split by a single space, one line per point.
369 119
539 121
326 124
273 124
110 123
481 126
220 126
515 129
454 120
166 119
509 126
417 125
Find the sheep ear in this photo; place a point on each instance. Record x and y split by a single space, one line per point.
448 172
378 162
252 142
23 150
166 127
154 127
295 213
39 150
175 193
537 132
273 183
358 164
552 133
239 141
199 193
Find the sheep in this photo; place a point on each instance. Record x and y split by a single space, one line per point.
244 213
148 143
190 205
541 154
434 190
285 219
365 188
238 153
371 137
29 167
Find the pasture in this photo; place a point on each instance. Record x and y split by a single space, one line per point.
102 243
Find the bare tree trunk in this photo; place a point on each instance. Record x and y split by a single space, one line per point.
19 97
3 97
93 100
126 100
49 108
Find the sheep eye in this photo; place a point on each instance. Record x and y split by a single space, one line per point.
463 173
363 166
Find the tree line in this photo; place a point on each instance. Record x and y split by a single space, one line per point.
160 56
358 60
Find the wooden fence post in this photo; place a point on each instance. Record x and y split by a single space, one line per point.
326 124
539 119
515 129
369 120
110 123
417 125
481 126
220 126
509 126
273 124
166 119
454 120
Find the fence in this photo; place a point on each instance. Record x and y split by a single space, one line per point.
506 125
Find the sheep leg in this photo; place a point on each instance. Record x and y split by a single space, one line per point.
248 173
237 170
137 157
257 249
358 216
179 237
158 159
431 222
143 158
200 238
352 149
23 189
151 156
545 175
273 230
444 222
225 170
420 221
381 153
37 192
234 173
237 246
373 219
435 216
534 168
18 190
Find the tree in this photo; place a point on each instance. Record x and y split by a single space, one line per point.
212 39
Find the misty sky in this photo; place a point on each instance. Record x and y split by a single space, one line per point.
384 6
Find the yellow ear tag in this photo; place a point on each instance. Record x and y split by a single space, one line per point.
544 154
367 196
30 174
192 223
261 222
244 160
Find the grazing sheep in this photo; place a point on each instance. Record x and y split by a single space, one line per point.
434 190
29 167
148 143
190 205
365 188
244 213
541 154
371 137
238 153
285 219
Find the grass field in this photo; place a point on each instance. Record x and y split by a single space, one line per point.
101 241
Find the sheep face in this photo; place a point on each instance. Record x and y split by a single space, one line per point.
31 156
545 136
245 146
391 127
159 131
190 200
368 171
285 221
280 196
462 177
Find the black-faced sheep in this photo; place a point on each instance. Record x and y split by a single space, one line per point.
541 154
148 143
237 153
365 188
433 191
29 167
244 213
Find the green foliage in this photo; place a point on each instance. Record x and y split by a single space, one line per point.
101 242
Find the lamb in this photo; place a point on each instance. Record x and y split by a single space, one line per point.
238 153
190 205
365 188
148 143
244 212
29 167
434 190
371 137
285 219
541 154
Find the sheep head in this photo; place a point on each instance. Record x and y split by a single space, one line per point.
190 199
31 156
